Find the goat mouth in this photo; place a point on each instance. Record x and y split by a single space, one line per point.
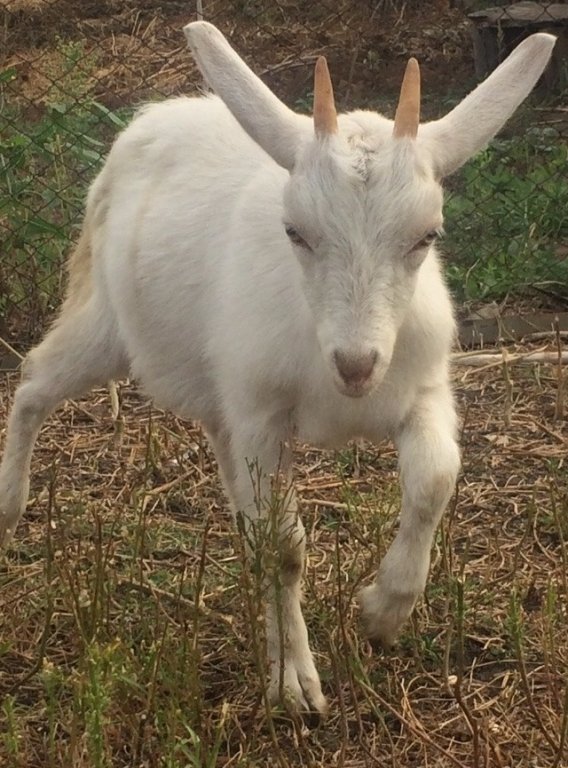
356 391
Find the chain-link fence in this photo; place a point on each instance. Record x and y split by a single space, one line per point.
72 73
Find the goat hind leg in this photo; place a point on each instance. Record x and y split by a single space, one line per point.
81 351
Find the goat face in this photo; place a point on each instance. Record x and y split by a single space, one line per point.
361 220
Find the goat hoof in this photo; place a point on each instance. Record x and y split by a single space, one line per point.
383 614
300 694
8 526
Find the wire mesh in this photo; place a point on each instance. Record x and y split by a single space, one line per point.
72 74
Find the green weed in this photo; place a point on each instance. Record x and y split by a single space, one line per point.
46 164
507 218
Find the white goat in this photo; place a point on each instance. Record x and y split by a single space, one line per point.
272 280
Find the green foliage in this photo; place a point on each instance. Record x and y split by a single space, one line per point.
11 736
48 156
507 218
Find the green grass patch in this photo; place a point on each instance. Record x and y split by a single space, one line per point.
507 219
49 154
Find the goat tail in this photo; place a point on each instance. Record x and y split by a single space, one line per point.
79 272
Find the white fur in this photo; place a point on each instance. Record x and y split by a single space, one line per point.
194 287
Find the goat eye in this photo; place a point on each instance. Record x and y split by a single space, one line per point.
295 237
428 239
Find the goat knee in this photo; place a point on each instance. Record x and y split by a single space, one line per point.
428 482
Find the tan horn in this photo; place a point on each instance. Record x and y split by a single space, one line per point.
325 116
407 116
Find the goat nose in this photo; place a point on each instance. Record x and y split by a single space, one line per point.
355 369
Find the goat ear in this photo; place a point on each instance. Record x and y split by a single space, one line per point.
472 124
264 117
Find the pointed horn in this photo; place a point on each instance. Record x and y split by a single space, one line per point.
325 116
407 116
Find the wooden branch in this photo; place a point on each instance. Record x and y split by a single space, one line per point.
490 359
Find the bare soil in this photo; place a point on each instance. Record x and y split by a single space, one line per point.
138 49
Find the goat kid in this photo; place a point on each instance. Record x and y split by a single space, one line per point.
274 276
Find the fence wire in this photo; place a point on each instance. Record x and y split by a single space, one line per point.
72 74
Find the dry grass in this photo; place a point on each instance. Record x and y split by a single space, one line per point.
128 633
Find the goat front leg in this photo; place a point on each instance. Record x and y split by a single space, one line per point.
261 491
429 462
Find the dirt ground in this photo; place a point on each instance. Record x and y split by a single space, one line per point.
137 50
